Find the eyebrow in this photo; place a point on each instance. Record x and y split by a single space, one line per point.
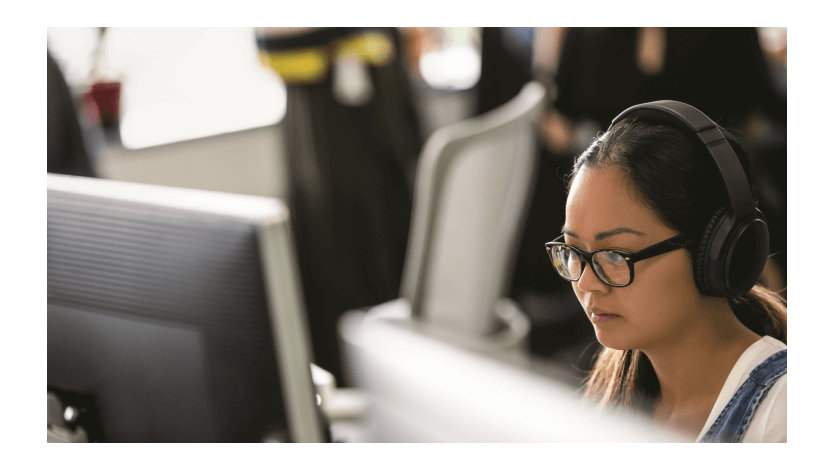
607 233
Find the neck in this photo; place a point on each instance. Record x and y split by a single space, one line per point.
691 370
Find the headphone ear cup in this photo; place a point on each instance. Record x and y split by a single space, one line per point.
743 247
702 271
747 255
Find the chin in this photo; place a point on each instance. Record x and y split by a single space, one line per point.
613 341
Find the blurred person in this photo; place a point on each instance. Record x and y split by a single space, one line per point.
506 65
602 70
66 151
722 71
352 139
692 355
597 74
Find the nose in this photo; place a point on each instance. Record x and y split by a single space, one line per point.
590 282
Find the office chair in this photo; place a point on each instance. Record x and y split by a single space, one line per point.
473 187
472 191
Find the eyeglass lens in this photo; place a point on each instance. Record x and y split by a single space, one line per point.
611 267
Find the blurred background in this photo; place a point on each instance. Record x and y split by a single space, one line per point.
334 120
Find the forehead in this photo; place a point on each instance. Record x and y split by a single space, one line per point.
603 198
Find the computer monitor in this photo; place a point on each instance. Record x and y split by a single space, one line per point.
427 385
175 315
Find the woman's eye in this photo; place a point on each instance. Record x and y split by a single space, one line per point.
613 258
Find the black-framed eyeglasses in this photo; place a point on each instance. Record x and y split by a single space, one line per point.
613 267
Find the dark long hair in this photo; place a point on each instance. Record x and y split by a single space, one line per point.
672 172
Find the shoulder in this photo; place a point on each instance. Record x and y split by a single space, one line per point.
773 344
765 347
753 357
769 421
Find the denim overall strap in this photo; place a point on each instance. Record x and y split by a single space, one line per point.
734 419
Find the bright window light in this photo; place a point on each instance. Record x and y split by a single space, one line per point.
182 84
176 83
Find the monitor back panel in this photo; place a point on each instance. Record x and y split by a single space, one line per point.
160 315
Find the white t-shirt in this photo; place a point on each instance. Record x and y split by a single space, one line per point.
770 421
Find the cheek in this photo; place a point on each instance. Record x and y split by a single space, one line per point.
672 275
664 288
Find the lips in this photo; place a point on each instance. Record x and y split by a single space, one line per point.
599 315
603 317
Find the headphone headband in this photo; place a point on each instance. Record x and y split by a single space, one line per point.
682 114
734 244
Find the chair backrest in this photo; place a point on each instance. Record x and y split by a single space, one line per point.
473 187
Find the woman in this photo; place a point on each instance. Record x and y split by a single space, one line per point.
672 345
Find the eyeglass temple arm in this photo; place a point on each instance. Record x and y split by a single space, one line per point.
674 243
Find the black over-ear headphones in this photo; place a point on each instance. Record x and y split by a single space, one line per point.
736 240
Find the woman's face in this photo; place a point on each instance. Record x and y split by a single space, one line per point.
604 212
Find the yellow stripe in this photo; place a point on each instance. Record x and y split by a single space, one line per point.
298 66
371 48
310 65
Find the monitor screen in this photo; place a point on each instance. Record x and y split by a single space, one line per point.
174 315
